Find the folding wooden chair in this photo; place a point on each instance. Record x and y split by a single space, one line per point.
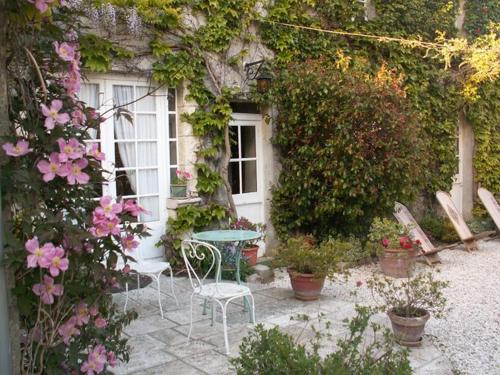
491 205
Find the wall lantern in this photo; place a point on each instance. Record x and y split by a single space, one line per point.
256 70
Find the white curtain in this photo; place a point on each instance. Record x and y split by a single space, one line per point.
124 130
89 93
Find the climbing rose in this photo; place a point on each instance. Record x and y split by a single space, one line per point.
56 260
52 114
75 174
52 167
64 51
39 253
21 148
48 290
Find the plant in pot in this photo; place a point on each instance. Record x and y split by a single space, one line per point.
397 252
178 187
409 303
250 248
309 263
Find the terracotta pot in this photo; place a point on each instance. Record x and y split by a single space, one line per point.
251 254
305 286
408 331
398 262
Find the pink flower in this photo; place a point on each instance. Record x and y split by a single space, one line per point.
72 82
112 359
38 254
82 314
126 269
71 149
95 361
108 209
385 242
100 322
98 231
52 114
21 148
52 167
93 311
48 290
78 118
75 174
56 260
113 226
68 329
133 208
359 283
41 5
129 242
65 51
93 151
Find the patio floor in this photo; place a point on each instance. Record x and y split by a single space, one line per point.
160 346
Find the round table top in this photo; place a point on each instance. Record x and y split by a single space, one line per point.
226 235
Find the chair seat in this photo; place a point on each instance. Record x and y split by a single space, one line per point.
149 266
222 290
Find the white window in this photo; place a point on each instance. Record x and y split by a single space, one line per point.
243 163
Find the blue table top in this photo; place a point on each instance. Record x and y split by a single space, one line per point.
226 235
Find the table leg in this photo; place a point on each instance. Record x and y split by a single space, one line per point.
246 304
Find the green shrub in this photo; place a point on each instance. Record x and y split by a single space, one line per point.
433 225
272 352
350 147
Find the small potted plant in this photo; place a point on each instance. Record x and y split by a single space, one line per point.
409 304
396 250
178 187
309 263
250 248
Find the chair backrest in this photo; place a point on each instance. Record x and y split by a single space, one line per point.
406 218
198 251
455 217
491 205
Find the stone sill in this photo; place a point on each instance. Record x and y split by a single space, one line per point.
174 203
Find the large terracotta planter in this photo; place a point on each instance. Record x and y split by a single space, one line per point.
305 286
408 331
251 254
398 262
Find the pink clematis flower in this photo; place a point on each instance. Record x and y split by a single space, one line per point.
133 208
39 253
93 151
100 322
71 149
108 209
73 80
68 330
52 115
52 167
41 5
78 118
82 314
64 51
111 359
21 148
75 174
95 361
48 290
93 311
57 262
129 242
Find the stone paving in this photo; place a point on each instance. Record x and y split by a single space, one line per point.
159 346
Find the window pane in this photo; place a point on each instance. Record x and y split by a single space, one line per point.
151 204
248 142
125 183
173 153
148 181
233 137
249 171
89 93
147 104
124 154
94 133
234 177
123 95
173 174
146 126
147 154
172 126
171 100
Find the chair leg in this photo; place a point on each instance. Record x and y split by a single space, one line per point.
190 317
213 313
252 310
159 294
126 297
224 323
138 286
172 286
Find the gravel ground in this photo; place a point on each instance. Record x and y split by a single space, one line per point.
469 335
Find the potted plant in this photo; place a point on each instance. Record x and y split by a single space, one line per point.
397 252
309 263
250 248
409 304
178 187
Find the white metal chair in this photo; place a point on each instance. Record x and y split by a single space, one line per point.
153 269
218 292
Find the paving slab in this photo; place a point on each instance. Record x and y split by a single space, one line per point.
177 367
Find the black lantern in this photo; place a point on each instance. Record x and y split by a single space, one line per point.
256 70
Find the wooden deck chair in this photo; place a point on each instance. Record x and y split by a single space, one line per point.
457 220
405 218
491 205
